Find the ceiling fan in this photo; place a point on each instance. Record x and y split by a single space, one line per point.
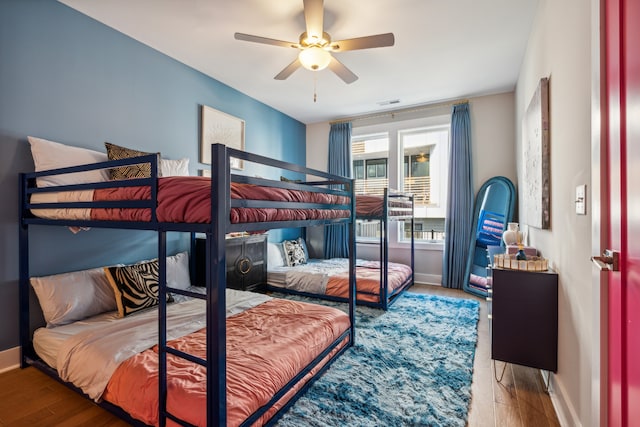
316 46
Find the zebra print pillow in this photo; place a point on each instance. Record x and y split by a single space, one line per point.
135 286
116 152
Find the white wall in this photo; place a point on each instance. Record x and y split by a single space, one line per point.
559 48
493 138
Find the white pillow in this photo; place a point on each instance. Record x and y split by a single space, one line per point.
275 256
53 155
178 275
174 167
67 297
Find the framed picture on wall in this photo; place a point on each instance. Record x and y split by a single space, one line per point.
220 128
535 158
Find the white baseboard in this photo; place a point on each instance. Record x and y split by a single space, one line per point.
9 359
428 279
565 411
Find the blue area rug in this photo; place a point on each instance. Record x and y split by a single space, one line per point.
410 366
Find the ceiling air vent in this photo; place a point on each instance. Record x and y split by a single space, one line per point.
391 102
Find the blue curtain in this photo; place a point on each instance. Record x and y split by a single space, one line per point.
336 237
459 219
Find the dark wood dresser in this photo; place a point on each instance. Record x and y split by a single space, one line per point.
524 318
246 262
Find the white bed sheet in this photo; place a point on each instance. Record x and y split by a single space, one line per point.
277 276
311 276
47 341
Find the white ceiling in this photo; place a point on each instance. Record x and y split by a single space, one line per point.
444 49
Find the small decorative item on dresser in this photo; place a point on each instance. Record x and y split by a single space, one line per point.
511 262
528 250
510 237
521 256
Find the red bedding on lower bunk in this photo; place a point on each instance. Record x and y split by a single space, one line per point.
267 346
188 200
368 206
368 281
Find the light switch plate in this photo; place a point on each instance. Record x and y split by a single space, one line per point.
581 199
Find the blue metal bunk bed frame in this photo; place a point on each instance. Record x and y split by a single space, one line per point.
215 231
389 195
386 298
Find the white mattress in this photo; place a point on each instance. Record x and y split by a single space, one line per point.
277 276
61 197
311 277
47 341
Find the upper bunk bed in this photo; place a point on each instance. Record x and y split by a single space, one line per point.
215 206
378 283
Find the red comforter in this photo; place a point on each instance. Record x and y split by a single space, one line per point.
188 200
267 346
372 206
368 281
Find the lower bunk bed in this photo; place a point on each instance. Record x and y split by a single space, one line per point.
272 344
220 357
378 283
329 279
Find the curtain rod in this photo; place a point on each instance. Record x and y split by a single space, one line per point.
400 111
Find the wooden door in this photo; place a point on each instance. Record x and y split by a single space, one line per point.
621 177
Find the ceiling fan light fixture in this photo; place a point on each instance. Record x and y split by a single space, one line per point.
316 47
323 41
314 58
421 158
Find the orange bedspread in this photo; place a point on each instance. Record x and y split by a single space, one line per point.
266 347
188 200
368 281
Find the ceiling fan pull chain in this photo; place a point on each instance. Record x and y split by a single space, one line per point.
315 87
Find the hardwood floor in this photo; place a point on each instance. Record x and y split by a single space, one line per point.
30 398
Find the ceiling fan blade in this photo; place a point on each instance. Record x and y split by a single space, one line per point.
368 42
288 70
264 40
313 17
342 71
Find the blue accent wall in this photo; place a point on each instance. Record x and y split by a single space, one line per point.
68 78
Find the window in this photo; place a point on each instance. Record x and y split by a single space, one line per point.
411 156
370 159
376 168
425 153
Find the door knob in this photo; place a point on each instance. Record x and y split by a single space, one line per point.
608 261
